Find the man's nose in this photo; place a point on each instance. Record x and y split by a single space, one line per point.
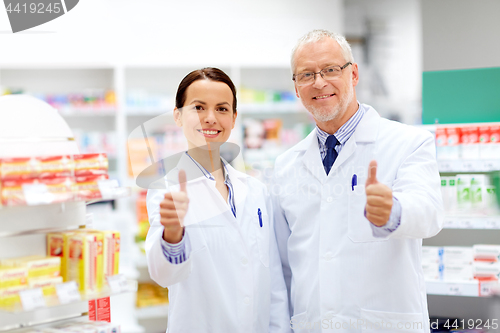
319 82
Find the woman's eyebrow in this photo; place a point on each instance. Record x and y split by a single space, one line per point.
222 103
198 101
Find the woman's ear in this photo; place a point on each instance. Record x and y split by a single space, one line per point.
178 117
235 114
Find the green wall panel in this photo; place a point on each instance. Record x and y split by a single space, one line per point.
461 96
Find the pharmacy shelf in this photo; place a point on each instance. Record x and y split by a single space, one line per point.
471 222
18 220
151 312
473 288
17 318
460 166
68 111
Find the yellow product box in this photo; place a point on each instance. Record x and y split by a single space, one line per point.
48 285
111 252
84 263
13 276
9 297
38 266
57 246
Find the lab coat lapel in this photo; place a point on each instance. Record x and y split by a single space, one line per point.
366 132
312 157
240 189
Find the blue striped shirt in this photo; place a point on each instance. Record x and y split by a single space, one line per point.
178 253
343 134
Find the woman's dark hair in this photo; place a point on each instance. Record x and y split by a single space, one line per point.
207 73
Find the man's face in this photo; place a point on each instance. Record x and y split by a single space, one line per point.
332 99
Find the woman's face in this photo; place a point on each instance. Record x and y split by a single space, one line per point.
207 116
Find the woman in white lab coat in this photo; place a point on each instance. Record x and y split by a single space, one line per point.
211 239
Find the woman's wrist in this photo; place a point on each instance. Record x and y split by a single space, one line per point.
173 236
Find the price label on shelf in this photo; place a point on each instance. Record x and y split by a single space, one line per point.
454 289
486 288
68 292
450 223
107 187
493 223
37 194
117 283
32 299
467 224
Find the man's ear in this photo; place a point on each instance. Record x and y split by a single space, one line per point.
355 74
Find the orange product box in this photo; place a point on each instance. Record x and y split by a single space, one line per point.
90 164
19 168
13 276
36 191
111 252
87 187
55 166
84 260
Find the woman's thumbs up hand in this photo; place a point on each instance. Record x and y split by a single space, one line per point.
173 209
378 198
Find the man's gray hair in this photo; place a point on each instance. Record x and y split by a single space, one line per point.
320 34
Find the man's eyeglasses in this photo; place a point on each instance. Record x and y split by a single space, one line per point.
328 73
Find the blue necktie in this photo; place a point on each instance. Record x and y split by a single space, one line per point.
331 153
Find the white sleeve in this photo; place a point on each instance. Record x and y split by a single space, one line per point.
282 233
161 270
280 315
417 187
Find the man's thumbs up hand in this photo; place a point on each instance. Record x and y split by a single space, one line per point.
173 209
378 198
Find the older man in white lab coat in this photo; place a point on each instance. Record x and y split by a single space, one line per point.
352 202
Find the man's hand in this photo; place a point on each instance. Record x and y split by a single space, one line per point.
378 198
173 209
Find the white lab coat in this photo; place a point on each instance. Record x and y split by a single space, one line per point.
340 277
233 280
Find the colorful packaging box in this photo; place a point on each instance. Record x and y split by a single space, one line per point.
36 191
87 187
48 285
111 253
19 168
37 266
13 277
84 263
9 297
55 166
486 252
90 164
57 246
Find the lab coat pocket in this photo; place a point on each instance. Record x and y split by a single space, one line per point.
360 230
381 321
262 226
299 323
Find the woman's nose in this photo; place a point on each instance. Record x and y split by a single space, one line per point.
210 117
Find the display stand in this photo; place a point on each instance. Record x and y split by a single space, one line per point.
30 127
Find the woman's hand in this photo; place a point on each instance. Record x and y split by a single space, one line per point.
173 209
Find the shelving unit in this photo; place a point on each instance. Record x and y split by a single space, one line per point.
30 127
464 299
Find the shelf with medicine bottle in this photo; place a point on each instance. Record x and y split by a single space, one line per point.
464 258
40 150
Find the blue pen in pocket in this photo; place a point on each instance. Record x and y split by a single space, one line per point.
260 217
354 181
